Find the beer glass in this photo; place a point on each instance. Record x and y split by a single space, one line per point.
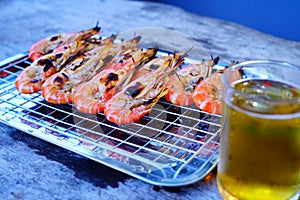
260 138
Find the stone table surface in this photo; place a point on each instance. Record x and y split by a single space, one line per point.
31 168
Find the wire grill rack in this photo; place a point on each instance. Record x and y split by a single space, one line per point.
171 146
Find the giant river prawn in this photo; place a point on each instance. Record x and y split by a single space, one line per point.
119 78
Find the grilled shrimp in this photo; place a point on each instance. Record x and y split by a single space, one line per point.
92 95
48 44
32 77
57 89
140 95
182 84
60 87
208 92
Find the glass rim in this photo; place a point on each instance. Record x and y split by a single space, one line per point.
251 62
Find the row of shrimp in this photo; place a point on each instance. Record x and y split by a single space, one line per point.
197 84
93 94
61 87
123 80
51 54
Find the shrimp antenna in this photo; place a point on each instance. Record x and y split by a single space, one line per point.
178 76
133 60
189 50
97 27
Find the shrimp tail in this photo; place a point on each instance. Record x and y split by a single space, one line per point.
97 28
33 55
26 84
52 90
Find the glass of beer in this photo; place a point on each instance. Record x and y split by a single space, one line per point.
260 138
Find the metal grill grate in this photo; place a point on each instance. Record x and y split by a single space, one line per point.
171 146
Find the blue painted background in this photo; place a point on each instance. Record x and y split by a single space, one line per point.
280 18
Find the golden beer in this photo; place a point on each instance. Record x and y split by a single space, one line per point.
260 141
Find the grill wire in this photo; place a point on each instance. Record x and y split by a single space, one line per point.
172 146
